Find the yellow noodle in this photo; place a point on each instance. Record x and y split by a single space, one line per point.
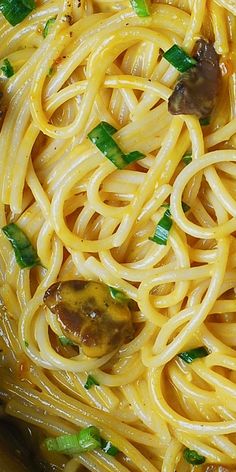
89 220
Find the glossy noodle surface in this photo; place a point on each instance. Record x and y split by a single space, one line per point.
88 220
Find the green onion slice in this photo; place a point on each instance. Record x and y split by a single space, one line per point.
101 136
140 7
25 254
192 457
205 121
109 448
187 158
162 229
90 382
192 354
15 11
185 207
133 156
164 226
178 58
50 71
65 341
7 68
48 25
118 295
87 439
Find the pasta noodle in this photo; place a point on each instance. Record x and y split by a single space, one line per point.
101 62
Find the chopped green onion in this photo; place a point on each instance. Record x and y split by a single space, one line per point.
48 25
204 121
90 438
90 382
15 11
7 68
29 3
185 207
164 225
87 439
192 354
26 256
109 448
65 341
140 7
162 229
108 128
26 344
118 295
192 457
50 71
178 58
101 136
133 156
187 158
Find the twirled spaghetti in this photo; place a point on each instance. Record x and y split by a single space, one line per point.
88 220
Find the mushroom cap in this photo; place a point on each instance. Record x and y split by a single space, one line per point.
89 316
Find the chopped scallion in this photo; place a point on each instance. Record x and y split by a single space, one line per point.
192 354
50 71
48 25
140 7
101 136
118 295
178 58
25 254
7 68
185 207
133 156
90 382
87 439
164 225
192 457
204 121
162 229
26 344
65 341
15 11
109 448
187 158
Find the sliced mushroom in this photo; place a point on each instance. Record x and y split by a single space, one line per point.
196 90
89 316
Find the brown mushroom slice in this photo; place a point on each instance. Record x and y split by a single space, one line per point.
89 316
196 90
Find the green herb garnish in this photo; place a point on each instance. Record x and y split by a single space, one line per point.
90 382
87 439
178 58
101 137
7 68
25 254
15 11
140 7
192 457
48 25
192 354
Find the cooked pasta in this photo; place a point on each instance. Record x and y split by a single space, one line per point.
67 67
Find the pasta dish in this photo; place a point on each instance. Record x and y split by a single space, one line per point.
117 240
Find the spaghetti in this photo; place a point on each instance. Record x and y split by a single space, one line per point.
72 66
